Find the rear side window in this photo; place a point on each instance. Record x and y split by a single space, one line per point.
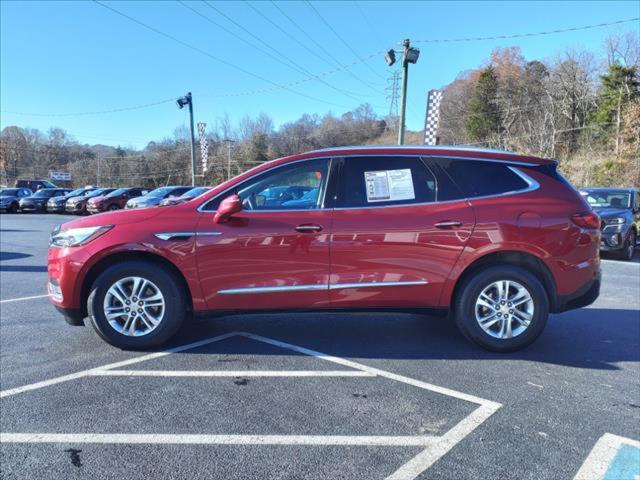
380 181
478 178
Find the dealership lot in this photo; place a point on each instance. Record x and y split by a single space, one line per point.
314 395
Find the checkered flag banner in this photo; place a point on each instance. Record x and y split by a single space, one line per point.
204 146
433 117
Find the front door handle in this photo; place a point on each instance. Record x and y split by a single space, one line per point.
308 228
448 224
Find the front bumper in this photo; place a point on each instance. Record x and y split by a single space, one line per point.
59 208
31 207
75 208
614 240
91 208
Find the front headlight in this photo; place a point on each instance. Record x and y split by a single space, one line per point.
615 221
76 236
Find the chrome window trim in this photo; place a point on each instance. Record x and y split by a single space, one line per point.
170 235
533 185
307 288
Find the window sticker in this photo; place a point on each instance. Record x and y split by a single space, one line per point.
389 185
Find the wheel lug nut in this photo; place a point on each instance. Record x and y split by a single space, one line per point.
140 303
139 310
510 311
127 309
502 302
509 304
127 302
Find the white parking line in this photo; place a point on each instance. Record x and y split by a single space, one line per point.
435 447
23 298
232 373
163 439
599 459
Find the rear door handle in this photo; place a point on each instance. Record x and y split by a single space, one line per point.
448 224
308 228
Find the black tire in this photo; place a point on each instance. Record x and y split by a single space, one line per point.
113 207
465 302
171 289
13 208
629 247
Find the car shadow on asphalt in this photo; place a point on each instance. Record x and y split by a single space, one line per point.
592 338
23 268
13 255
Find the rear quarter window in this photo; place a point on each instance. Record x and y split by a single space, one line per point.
477 178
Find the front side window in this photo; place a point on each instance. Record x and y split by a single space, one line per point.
294 187
383 181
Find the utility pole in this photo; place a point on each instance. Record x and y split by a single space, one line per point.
393 96
403 98
228 141
409 55
182 101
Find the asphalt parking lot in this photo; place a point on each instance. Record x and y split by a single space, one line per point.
358 396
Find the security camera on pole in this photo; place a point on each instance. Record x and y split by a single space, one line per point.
181 102
409 55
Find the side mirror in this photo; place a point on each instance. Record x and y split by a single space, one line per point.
230 205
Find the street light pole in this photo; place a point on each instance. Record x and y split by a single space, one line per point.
193 142
228 141
182 101
403 98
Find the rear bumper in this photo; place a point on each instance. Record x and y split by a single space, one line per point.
585 295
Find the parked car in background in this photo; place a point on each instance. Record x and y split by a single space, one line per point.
498 239
619 210
10 198
38 201
185 197
34 185
154 197
56 204
78 205
114 200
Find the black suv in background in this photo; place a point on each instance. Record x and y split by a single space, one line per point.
619 210
38 201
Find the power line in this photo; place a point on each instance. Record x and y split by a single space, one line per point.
278 54
94 112
521 35
339 37
213 57
335 62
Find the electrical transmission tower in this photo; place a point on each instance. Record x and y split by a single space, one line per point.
393 86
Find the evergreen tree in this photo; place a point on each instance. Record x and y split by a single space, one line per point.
484 122
620 86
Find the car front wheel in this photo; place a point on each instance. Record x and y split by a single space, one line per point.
502 308
136 305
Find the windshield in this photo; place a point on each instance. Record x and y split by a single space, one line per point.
75 193
194 192
44 193
159 192
98 192
607 198
9 192
118 192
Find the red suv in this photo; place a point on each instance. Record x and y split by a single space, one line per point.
497 239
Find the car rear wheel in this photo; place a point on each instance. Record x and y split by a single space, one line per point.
501 308
629 246
136 305
113 207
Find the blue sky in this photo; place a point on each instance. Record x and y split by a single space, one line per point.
69 57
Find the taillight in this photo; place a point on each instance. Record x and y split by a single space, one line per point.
586 220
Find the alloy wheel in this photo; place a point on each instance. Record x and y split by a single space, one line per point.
134 306
504 309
